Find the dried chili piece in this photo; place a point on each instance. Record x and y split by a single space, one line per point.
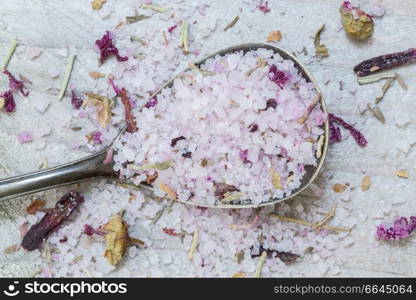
130 120
384 62
50 222
286 257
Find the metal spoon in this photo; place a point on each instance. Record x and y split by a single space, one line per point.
93 166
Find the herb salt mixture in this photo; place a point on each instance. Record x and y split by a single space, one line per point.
226 128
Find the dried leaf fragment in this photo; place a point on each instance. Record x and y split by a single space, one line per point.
276 180
136 18
97 4
11 249
168 190
194 244
320 146
161 166
116 239
339 187
232 23
228 197
35 205
385 88
320 49
96 75
103 107
402 173
365 183
376 111
274 36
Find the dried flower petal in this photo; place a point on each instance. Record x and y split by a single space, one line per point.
276 181
172 28
96 75
402 173
221 189
239 275
400 229
277 76
16 85
75 100
274 36
103 107
264 7
106 48
50 222
339 187
116 239
320 49
35 205
130 119
335 135
9 103
168 190
11 249
24 137
365 183
357 24
151 103
161 166
97 4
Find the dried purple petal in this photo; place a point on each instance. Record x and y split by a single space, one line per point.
286 257
172 28
16 85
277 76
9 103
130 119
400 229
264 7
253 128
50 222
174 141
221 189
75 100
107 48
336 133
89 230
243 156
152 102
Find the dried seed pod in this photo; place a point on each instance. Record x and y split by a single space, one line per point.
357 24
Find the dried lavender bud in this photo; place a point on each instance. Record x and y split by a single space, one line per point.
106 48
384 62
174 141
50 222
75 100
400 229
130 119
277 76
357 24
286 257
359 138
221 189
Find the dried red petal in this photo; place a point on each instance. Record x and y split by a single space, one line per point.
106 47
50 222
130 120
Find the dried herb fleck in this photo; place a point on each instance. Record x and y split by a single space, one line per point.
136 18
35 205
402 173
320 49
274 36
221 189
365 183
103 108
339 187
385 88
116 239
130 119
376 111
97 4
276 180
286 257
232 23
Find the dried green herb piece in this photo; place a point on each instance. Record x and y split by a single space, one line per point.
67 76
375 77
134 38
136 18
203 72
320 49
161 166
183 43
9 54
154 7
286 257
232 23
385 88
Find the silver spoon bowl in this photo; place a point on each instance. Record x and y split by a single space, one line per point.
93 167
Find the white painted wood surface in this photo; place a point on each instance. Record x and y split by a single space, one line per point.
60 27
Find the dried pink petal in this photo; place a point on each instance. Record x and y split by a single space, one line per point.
106 48
400 229
264 7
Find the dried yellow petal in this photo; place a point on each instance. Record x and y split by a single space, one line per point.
239 275
116 240
276 180
97 4
103 108
365 183
402 173
357 24
171 193
339 187
96 75
274 36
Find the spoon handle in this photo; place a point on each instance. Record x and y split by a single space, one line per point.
76 171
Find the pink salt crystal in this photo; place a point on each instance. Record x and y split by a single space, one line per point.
24 137
33 52
109 157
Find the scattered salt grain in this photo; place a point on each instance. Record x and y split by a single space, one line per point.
24 137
